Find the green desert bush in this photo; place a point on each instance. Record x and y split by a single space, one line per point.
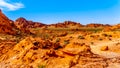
57 40
81 37
66 42
41 66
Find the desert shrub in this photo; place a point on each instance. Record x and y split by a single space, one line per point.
43 35
81 37
36 43
109 38
109 35
41 66
92 43
66 42
105 35
100 39
63 34
92 36
57 40
47 36
71 32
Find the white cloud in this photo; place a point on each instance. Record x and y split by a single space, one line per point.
4 4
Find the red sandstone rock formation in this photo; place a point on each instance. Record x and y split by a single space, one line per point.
6 25
97 25
23 23
66 24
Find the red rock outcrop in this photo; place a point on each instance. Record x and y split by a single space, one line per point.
23 23
97 25
5 25
66 24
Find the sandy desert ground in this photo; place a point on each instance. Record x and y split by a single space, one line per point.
27 44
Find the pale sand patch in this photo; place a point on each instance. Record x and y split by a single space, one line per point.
96 49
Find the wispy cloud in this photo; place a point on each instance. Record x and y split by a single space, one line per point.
4 4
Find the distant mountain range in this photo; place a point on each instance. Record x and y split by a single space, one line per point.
11 27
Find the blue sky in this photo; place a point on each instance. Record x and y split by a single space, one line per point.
54 11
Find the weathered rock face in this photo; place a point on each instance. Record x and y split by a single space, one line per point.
38 53
66 24
97 25
94 25
3 19
5 25
30 51
23 23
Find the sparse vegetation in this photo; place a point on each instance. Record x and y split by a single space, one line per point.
105 35
66 42
41 66
81 37
92 36
100 39
58 39
92 43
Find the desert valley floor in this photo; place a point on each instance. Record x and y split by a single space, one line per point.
28 44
